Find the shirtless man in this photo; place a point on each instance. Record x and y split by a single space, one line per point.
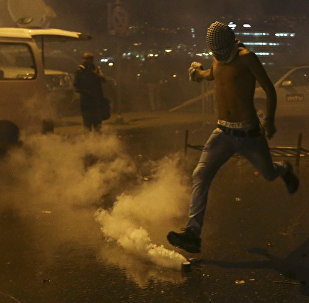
235 70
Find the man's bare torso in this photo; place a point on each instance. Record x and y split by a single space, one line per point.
234 88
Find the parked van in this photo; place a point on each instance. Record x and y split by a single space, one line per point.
61 92
23 80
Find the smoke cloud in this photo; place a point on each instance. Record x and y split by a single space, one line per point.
60 182
57 183
152 206
52 170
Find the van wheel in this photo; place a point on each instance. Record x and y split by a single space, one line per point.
9 136
47 126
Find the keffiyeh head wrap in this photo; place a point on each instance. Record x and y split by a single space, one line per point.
221 42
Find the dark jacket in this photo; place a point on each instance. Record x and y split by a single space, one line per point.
89 85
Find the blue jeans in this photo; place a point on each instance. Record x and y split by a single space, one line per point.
217 150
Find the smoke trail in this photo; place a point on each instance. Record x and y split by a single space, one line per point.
153 207
54 184
62 180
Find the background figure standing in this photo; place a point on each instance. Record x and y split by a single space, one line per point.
88 82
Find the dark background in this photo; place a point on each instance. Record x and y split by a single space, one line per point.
91 14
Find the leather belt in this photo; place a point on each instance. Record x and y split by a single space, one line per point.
254 132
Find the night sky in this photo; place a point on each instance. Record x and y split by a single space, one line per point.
91 15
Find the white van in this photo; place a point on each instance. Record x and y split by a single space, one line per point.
292 94
23 83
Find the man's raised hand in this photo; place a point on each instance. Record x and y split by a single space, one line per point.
194 70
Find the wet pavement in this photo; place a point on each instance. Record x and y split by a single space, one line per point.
255 245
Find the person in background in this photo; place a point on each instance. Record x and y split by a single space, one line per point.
88 82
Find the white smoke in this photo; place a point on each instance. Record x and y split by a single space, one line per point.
153 207
62 181
50 170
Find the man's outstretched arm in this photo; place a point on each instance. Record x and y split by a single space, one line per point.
261 76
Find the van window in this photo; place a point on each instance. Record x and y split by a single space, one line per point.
16 62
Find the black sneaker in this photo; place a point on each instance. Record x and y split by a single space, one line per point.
185 240
290 179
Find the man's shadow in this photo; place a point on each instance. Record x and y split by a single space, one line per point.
294 267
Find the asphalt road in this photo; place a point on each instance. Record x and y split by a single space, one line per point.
255 245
